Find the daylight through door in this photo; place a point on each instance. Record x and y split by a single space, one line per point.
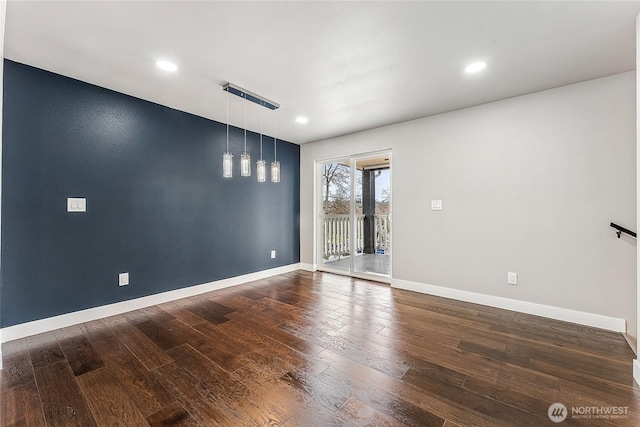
354 230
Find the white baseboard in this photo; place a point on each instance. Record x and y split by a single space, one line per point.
308 267
49 324
567 315
636 371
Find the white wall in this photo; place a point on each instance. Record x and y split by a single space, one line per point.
529 185
636 364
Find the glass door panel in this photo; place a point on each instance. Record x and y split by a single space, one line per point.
373 186
335 217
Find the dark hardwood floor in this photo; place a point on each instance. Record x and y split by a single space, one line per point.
314 349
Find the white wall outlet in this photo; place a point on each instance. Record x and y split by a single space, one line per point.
123 279
273 254
512 278
436 205
76 204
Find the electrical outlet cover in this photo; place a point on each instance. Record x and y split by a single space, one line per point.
76 204
123 279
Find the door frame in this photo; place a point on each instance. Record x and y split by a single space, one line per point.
317 213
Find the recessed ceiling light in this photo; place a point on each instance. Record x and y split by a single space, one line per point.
166 65
302 120
475 67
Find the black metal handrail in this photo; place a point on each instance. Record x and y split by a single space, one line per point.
623 230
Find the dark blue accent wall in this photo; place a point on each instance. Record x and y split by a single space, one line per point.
157 205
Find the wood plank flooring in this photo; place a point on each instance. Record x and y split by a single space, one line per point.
315 349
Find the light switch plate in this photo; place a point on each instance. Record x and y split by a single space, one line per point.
76 204
436 205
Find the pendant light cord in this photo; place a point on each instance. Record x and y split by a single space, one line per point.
261 134
275 137
227 121
245 123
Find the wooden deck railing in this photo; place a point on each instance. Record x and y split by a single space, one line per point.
336 229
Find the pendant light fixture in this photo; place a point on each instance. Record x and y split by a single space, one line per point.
275 165
261 165
227 158
245 158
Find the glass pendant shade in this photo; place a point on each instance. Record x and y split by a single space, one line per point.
245 164
227 165
261 170
275 171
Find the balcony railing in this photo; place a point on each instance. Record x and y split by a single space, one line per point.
335 235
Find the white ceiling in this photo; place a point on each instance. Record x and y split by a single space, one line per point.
347 66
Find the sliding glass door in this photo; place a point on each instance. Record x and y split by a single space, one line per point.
353 232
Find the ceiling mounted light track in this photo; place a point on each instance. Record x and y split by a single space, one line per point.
245 159
250 96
